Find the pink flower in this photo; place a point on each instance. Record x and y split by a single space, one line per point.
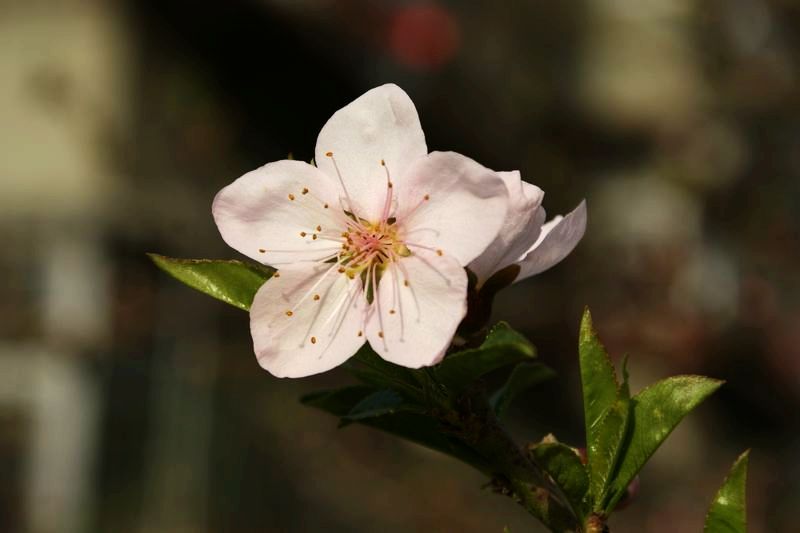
525 241
370 245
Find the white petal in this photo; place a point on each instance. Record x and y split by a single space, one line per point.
263 213
382 124
519 231
413 324
558 238
449 202
325 327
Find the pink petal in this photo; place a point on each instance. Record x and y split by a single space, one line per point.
519 231
558 238
306 320
382 124
413 324
449 202
272 214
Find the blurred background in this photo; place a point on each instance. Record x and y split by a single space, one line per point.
129 403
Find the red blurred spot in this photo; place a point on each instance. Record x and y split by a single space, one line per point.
423 36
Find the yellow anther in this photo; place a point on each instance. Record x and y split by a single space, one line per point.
303 233
313 340
439 253
427 196
291 196
319 228
289 313
305 190
329 154
316 297
261 250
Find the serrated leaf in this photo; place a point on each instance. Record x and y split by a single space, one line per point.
566 469
655 412
728 511
502 347
598 379
606 410
231 281
605 448
523 377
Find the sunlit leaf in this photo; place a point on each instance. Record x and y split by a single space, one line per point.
606 410
503 346
728 511
566 469
523 377
231 281
655 412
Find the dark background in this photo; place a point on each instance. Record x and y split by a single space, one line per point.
130 403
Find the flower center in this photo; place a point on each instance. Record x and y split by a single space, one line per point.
371 246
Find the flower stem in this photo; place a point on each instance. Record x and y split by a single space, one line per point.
515 473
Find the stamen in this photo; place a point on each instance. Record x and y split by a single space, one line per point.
360 333
319 228
313 340
289 313
303 233
304 191
291 196
261 250
341 181
387 204
316 297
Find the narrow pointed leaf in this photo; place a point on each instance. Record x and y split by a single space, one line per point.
503 346
605 448
231 281
566 469
598 379
523 377
655 412
728 512
606 409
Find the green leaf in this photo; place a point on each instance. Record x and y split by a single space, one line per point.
655 412
728 511
231 281
503 346
606 407
337 402
415 427
565 467
598 379
371 369
604 449
523 377
379 403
